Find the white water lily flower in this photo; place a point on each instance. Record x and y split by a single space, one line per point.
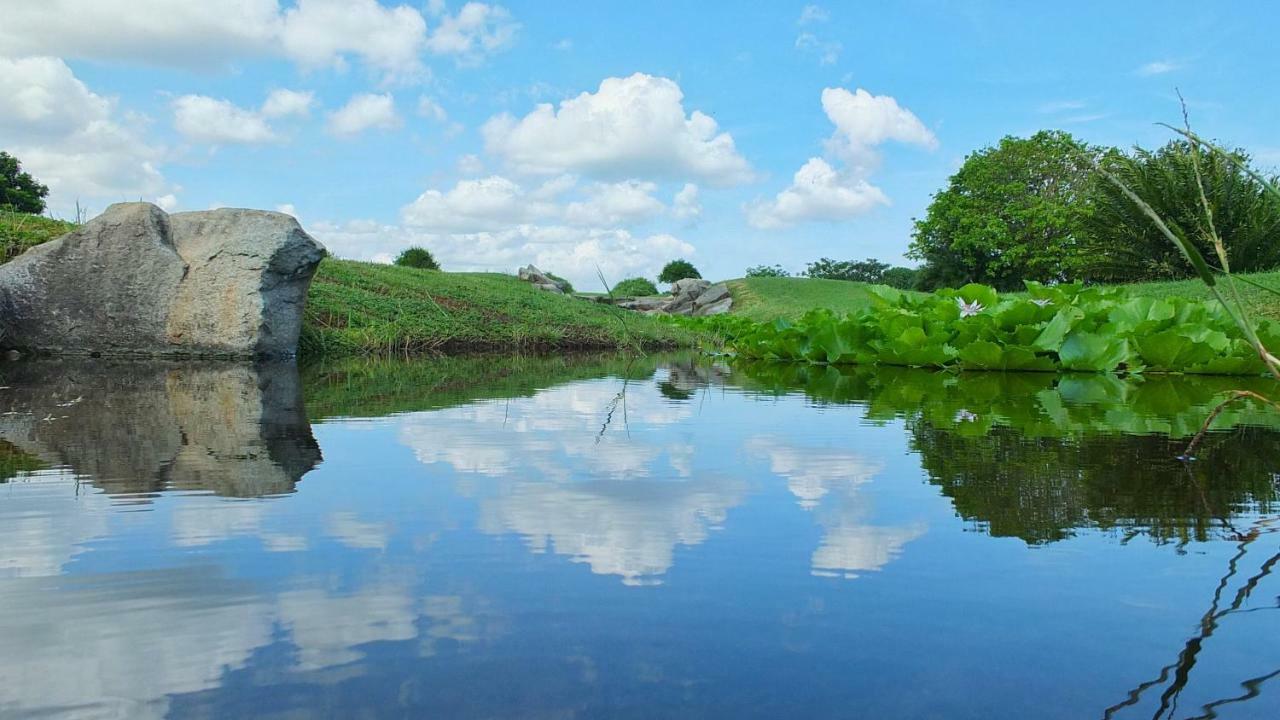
1041 301
969 309
965 416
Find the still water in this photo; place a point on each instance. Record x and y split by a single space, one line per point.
613 538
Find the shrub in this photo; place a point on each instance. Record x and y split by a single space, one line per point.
1125 246
18 190
767 271
902 278
635 287
678 270
869 270
417 257
1013 212
564 285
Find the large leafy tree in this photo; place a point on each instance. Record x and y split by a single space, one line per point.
869 270
678 270
18 190
1013 212
1127 246
417 257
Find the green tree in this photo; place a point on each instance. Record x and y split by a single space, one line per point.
18 190
869 270
1126 246
767 271
903 278
678 270
417 257
635 287
1013 212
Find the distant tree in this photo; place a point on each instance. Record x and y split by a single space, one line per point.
635 287
767 271
678 270
18 190
1013 212
417 257
902 278
869 270
1126 246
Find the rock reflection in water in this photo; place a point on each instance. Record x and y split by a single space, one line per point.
139 428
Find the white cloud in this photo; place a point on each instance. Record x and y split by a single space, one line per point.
210 120
685 205
430 109
632 127
362 112
311 33
864 121
563 45
1158 67
812 14
477 30
323 33
284 103
72 139
820 191
615 203
161 32
1057 106
492 203
828 51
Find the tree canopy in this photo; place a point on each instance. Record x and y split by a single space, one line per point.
18 190
1012 212
417 257
678 270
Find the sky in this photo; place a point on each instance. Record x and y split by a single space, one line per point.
604 137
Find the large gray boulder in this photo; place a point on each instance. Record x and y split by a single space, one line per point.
137 281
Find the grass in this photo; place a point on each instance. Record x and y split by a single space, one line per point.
360 308
1261 302
20 231
768 298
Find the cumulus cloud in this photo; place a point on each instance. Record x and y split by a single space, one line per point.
73 139
615 203
284 103
430 109
475 31
818 192
864 121
822 192
210 120
364 111
312 33
632 127
491 203
685 205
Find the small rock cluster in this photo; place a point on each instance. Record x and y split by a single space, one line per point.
541 280
688 297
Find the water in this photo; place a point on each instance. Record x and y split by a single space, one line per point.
604 538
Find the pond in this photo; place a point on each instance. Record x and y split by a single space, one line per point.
605 537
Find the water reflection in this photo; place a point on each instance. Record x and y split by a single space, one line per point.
621 537
139 428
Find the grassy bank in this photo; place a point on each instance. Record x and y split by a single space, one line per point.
770 298
20 231
365 308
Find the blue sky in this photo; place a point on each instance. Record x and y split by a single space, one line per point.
732 134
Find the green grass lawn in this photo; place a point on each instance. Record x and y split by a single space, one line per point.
365 308
769 298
